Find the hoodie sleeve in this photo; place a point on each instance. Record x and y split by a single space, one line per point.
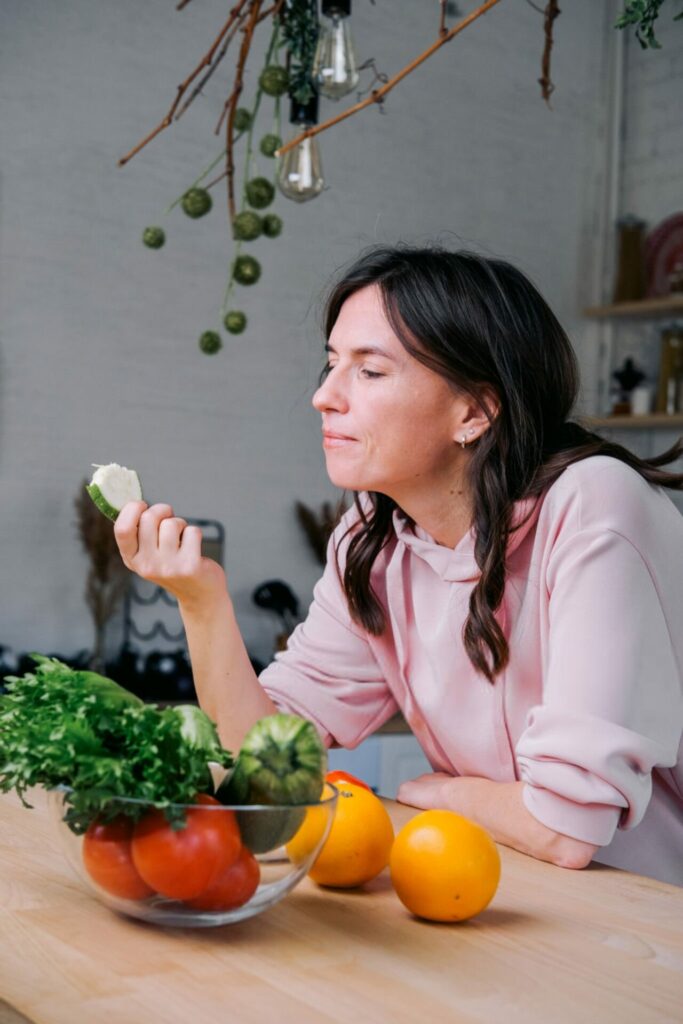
612 703
329 673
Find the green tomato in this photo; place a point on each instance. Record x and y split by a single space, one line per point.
153 237
246 270
247 226
274 80
260 193
196 202
242 119
269 145
272 225
210 342
235 321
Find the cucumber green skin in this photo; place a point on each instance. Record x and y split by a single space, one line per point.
103 505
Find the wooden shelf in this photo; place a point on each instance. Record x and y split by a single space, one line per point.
666 421
664 306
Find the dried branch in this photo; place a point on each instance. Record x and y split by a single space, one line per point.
231 103
182 89
552 11
318 527
442 23
274 10
107 576
377 95
202 82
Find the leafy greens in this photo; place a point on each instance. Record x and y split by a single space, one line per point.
62 727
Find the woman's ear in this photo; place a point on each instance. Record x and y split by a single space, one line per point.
476 416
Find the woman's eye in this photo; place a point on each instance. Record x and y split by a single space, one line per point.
371 373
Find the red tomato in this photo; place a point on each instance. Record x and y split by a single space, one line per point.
340 776
181 863
235 886
107 859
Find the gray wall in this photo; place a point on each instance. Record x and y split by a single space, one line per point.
98 347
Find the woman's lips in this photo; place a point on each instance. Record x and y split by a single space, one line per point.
336 441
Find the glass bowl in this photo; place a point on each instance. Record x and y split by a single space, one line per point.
276 845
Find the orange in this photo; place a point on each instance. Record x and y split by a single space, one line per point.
444 867
358 845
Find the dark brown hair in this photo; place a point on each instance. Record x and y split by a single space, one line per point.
484 327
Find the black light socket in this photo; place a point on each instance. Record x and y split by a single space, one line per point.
304 113
339 7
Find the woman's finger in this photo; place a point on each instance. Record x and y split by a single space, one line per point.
148 530
170 534
126 529
191 541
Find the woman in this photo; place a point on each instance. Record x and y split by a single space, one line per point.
510 581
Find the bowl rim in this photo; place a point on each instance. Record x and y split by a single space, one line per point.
162 805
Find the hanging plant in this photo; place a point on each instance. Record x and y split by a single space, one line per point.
304 72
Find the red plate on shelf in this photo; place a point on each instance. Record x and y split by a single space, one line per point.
663 250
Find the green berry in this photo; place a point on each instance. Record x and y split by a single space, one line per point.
153 238
246 270
196 202
274 80
235 321
269 144
247 226
242 119
260 193
210 342
272 225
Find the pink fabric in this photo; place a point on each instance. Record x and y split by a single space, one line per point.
590 708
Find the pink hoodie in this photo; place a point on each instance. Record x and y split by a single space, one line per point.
588 712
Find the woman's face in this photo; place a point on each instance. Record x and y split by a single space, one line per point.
401 421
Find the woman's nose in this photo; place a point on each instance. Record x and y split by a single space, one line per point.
329 396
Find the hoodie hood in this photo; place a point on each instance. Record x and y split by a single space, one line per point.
458 564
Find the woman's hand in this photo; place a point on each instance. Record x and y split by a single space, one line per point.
427 791
163 549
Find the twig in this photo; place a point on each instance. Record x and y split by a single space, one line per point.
182 3
214 181
231 103
442 24
182 89
202 82
552 11
377 95
274 10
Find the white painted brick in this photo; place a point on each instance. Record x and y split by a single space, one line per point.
99 357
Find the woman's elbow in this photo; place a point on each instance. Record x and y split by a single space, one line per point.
566 852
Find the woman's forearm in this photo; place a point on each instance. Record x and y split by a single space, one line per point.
226 683
499 808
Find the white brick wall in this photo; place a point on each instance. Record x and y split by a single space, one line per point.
651 188
652 184
98 335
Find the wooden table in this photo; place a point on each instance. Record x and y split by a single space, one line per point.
591 946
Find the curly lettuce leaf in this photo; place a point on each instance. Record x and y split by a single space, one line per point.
61 727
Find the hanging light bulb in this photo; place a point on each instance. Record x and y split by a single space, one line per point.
334 65
300 175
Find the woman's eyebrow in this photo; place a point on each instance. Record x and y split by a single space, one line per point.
366 350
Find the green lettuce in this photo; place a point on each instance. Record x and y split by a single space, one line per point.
62 727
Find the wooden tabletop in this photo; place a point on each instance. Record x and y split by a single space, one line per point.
594 946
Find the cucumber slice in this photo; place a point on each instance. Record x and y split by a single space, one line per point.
112 486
